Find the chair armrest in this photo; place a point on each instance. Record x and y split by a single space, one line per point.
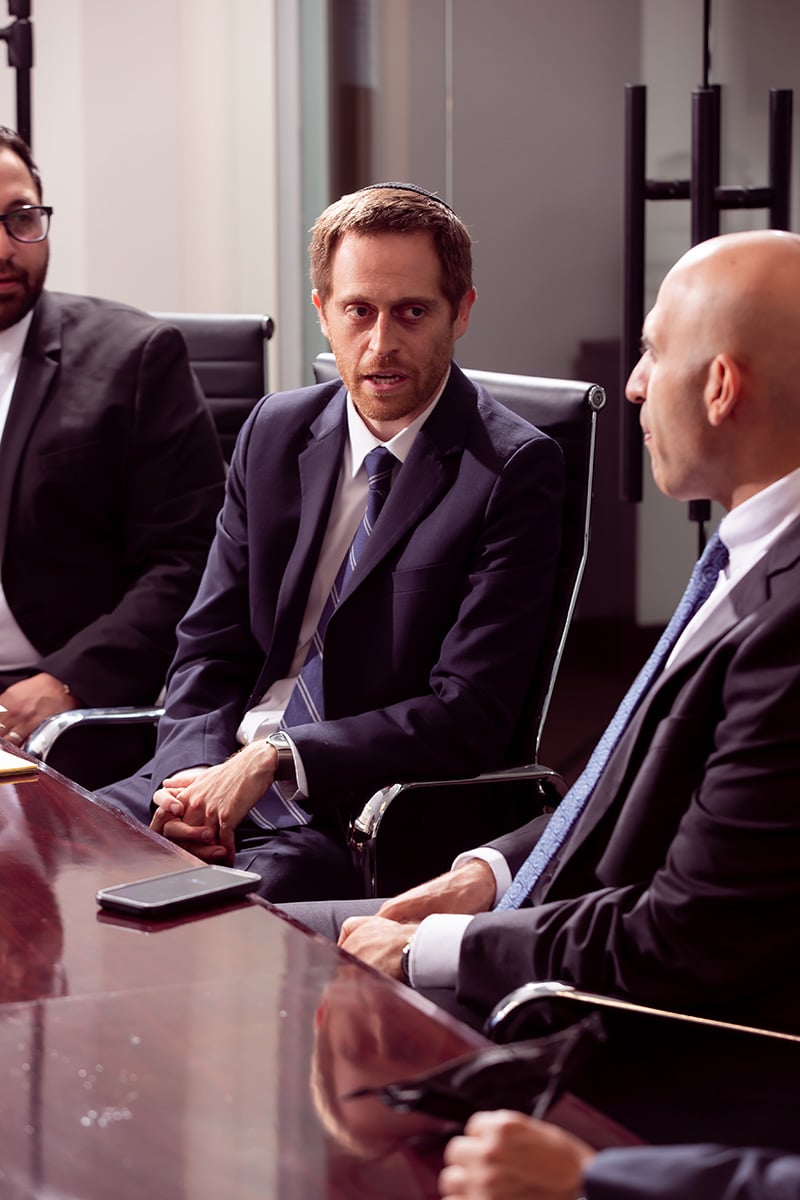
46 734
423 848
526 1005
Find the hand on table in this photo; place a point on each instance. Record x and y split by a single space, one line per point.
506 1155
468 889
379 940
199 809
31 701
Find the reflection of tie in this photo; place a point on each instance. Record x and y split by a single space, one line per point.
700 586
306 701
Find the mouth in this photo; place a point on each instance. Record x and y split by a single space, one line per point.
385 379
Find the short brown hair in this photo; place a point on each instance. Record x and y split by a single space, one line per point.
394 208
10 140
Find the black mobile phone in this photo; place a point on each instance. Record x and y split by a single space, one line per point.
163 895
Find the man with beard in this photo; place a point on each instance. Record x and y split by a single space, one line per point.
444 595
110 481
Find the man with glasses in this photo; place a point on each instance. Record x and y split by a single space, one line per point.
110 480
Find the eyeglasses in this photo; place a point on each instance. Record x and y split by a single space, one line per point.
31 223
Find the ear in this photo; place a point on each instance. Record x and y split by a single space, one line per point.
317 301
722 389
462 316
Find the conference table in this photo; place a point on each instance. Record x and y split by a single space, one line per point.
208 1056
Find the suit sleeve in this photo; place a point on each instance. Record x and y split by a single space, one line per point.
698 911
171 492
692 1173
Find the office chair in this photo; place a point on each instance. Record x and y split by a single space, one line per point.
668 1075
412 847
409 832
227 352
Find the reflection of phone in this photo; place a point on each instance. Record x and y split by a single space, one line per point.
163 895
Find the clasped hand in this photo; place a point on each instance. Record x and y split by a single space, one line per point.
379 939
200 808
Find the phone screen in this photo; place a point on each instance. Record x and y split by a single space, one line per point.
179 889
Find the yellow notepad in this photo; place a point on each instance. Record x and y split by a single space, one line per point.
11 765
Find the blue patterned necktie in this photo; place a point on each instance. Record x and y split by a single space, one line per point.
306 705
700 586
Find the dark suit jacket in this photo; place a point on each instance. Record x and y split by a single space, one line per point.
110 480
429 655
692 1173
681 880
680 884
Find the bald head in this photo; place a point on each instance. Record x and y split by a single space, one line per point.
719 378
742 294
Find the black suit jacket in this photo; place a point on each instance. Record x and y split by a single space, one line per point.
429 655
680 884
110 480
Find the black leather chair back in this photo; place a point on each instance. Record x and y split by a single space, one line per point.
566 410
228 355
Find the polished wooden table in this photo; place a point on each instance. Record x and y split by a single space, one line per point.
209 1057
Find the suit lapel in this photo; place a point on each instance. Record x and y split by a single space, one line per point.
740 610
37 370
318 467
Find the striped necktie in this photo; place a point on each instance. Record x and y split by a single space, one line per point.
701 584
306 703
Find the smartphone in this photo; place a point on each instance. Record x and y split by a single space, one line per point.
179 891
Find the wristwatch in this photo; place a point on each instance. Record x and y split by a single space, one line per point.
285 768
405 961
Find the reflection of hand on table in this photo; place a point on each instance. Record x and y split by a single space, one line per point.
363 1039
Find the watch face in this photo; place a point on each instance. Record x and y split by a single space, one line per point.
405 962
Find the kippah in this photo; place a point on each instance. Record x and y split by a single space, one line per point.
410 187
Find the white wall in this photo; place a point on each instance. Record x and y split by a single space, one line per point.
154 128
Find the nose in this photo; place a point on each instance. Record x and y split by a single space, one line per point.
636 387
383 338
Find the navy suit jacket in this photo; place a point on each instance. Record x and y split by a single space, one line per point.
110 480
692 1173
430 653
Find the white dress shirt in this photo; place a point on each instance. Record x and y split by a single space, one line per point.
748 531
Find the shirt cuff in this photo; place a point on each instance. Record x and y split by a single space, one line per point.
435 950
499 866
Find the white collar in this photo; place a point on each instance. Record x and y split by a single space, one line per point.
750 528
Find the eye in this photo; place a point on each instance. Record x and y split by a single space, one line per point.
358 311
413 312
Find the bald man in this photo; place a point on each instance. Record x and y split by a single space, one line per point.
679 883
